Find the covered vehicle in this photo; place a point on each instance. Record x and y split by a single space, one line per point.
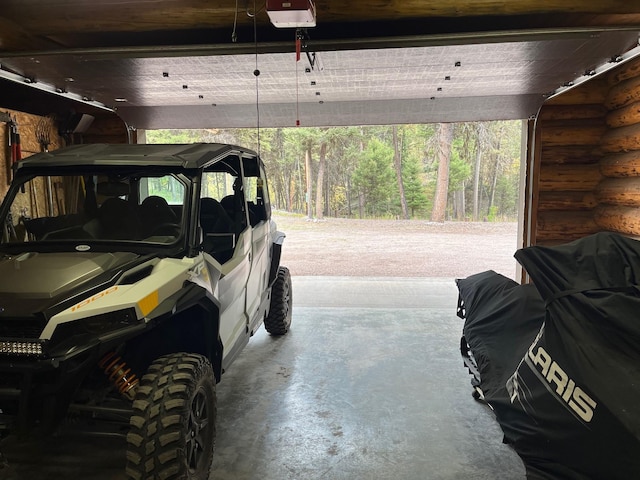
131 277
558 360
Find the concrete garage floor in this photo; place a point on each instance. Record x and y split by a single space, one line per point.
368 384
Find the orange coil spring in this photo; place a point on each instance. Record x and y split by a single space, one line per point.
116 369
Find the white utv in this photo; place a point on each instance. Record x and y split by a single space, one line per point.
131 276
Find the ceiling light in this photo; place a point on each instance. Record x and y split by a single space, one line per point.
120 99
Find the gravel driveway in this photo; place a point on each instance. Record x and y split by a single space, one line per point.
396 248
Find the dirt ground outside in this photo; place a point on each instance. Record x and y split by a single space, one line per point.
396 248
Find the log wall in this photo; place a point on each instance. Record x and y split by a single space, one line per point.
568 132
618 193
588 160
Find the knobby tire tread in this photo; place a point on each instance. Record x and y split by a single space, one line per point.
278 320
155 443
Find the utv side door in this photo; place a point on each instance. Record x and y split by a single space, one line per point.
231 258
259 210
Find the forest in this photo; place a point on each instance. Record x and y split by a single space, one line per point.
437 172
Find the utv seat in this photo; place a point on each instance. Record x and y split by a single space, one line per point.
235 211
156 216
117 220
219 237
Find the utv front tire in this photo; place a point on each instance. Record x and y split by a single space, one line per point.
279 319
172 433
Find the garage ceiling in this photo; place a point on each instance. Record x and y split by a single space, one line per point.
175 64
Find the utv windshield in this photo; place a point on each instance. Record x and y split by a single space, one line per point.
86 208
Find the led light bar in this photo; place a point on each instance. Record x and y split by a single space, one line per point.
20 348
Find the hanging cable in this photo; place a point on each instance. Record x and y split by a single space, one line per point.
256 73
298 47
234 36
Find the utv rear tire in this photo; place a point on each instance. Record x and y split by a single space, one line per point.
279 319
172 434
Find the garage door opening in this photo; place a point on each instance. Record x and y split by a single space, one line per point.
432 200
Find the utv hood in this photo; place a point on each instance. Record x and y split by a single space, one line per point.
33 282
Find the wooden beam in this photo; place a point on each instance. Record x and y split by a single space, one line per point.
577 178
564 226
575 154
619 192
571 112
14 34
61 16
624 72
621 165
571 135
621 139
623 94
592 92
563 201
624 220
627 115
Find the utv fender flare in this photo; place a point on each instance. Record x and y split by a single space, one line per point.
278 240
191 299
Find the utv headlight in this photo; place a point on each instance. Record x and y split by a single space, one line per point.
20 348
95 326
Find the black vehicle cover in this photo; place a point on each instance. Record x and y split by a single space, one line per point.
560 362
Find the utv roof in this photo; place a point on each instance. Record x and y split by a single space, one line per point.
186 156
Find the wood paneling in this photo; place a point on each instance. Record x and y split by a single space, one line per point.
61 16
29 144
107 129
